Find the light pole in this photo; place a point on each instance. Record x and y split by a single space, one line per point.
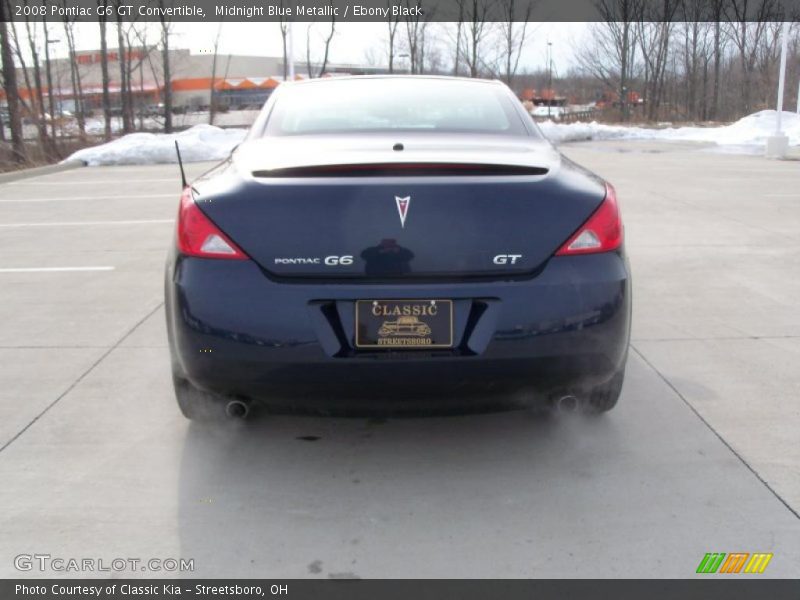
49 74
406 56
778 144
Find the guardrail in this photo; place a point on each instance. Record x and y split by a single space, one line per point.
578 115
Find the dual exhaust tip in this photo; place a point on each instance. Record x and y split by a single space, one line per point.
237 409
569 404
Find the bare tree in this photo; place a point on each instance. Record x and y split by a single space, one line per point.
102 21
767 60
212 103
326 44
716 13
31 108
747 23
40 114
145 56
392 24
75 75
165 59
691 59
477 27
433 56
126 102
10 86
610 56
422 51
459 28
283 23
49 75
415 34
653 32
328 39
134 61
514 27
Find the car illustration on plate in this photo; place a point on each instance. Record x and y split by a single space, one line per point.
404 326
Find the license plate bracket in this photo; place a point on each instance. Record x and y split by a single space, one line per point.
410 324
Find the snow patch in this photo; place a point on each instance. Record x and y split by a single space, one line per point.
747 134
206 142
199 143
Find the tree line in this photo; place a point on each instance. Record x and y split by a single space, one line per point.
671 59
25 49
688 59
652 60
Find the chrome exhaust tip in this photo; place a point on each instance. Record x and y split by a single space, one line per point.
567 404
236 409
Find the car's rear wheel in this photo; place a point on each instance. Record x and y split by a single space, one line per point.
603 398
196 404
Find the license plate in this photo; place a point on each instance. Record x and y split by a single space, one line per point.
410 324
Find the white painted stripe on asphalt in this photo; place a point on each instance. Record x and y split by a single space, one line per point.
53 269
114 182
83 198
82 223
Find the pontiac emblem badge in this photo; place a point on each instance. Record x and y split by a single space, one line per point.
402 208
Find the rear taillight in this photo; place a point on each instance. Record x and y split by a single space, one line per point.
198 236
601 233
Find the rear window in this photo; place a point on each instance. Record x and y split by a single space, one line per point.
405 104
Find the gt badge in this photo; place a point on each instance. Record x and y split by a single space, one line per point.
506 259
402 208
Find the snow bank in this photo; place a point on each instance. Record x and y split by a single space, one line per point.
201 142
206 142
749 133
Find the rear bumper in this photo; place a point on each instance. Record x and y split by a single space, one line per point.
234 331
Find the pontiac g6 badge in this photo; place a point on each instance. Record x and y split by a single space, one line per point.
402 208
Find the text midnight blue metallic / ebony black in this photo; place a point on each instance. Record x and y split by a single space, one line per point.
400 243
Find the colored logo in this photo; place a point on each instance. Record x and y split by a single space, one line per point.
402 208
735 562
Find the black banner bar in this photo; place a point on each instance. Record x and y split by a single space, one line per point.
733 588
404 10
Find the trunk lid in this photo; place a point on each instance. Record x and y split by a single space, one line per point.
438 208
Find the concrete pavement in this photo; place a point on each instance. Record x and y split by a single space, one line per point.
701 454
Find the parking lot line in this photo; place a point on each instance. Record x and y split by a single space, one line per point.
88 182
83 198
52 269
87 223
704 417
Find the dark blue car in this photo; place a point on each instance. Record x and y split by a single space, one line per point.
397 243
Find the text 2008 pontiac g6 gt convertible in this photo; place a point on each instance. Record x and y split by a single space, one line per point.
396 243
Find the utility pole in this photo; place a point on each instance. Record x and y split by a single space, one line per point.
778 144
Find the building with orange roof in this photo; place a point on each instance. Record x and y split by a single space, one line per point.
240 81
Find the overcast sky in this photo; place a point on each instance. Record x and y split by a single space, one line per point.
353 43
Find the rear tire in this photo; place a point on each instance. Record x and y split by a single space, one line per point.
195 404
603 398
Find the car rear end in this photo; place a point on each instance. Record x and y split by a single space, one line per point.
293 282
